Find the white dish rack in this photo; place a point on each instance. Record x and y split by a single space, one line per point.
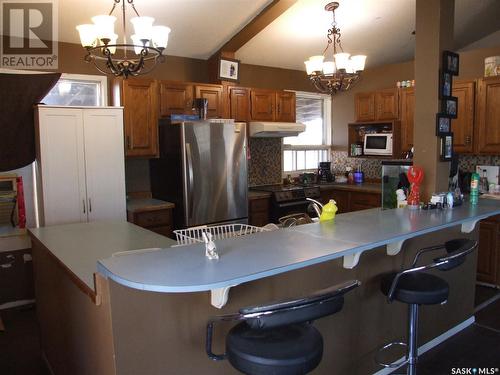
195 235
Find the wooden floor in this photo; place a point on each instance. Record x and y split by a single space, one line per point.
476 346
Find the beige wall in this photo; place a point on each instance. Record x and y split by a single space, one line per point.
471 66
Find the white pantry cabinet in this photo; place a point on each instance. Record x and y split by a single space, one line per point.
80 160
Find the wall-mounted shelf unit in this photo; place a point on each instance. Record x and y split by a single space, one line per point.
358 130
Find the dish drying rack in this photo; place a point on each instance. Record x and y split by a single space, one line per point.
218 232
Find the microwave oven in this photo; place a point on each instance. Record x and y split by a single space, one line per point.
378 144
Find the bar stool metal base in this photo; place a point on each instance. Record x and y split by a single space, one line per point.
411 345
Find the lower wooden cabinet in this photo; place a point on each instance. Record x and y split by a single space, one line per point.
348 201
258 211
488 257
158 221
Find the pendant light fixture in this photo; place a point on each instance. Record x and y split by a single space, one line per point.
342 71
124 59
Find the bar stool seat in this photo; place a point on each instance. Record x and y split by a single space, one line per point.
294 349
417 288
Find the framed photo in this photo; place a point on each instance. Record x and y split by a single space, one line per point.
445 85
447 147
443 124
451 62
450 106
229 69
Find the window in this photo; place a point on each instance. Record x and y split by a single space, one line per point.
78 90
306 150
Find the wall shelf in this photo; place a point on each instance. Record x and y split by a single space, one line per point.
357 130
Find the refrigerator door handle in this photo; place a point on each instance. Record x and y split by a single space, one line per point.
189 158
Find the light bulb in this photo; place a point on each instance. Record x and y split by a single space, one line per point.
88 35
143 27
160 36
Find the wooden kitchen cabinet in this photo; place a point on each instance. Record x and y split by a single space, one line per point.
158 221
341 197
488 257
463 126
407 117
348 201
213 93
488 116
285 106
175 98
258 211
239 102
139 97
378 105
262 104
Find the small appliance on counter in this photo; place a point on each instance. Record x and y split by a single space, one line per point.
325 172
378 144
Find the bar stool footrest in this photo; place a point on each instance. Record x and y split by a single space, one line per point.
386 347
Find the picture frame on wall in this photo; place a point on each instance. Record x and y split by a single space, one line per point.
229 69
449 106
446 147
445 85
451 62
443 124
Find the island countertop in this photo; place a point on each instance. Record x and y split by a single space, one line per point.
247 258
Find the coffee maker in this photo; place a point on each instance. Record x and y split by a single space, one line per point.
324 171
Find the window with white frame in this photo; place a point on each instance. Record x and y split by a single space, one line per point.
78 90
305 151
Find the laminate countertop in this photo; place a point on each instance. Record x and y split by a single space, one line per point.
252 257
136 205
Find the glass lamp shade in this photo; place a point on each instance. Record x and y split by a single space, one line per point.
358 63
160 36
113 40
105 26
88 35
143 27
329 67
342 60
138 45
314 64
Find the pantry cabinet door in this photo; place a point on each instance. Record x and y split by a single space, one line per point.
488 129
104 164
61 166
407 113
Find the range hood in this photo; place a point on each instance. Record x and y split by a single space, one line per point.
275 129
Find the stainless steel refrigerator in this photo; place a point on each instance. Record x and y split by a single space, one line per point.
203 170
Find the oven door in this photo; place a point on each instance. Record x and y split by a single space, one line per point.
287 208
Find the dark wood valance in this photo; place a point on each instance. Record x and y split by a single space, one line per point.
18 94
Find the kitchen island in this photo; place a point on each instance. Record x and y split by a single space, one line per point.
149 308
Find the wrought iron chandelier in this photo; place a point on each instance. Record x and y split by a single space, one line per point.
110 57
342 71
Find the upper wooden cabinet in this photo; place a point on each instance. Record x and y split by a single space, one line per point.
214 95
139 99
262 105
175 98
488 116
463 126
285 106
271 105
378 105
239 98
407 115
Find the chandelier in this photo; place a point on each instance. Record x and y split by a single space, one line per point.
342 71
110 57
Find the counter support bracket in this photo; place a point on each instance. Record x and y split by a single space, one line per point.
219 297
393 248
469 226
351 260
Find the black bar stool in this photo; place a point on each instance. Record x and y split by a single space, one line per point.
415 287
279 338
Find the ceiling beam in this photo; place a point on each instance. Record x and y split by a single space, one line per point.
256 25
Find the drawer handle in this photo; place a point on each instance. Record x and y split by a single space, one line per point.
10 263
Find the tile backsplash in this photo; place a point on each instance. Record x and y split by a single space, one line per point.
467 163
371 167
264 166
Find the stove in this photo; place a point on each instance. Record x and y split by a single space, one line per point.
289 199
